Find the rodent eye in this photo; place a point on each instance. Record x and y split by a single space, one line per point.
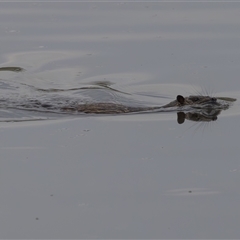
196 99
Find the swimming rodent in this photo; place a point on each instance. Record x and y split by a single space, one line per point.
197 101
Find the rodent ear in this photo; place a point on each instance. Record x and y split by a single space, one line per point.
180 99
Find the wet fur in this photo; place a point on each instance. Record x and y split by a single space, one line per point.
113 108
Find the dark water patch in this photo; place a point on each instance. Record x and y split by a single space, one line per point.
12 69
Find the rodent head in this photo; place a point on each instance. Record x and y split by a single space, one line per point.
193 100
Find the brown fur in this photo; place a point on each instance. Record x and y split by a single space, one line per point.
113 108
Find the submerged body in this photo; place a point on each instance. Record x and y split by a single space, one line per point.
114 108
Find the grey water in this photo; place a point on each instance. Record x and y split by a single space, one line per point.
66 175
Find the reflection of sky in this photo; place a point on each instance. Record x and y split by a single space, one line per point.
128 22
167 42
95 176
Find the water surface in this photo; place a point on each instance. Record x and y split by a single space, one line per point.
118 176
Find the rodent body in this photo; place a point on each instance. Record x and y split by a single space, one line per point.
114 108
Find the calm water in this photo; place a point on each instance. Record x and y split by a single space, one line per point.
132 176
